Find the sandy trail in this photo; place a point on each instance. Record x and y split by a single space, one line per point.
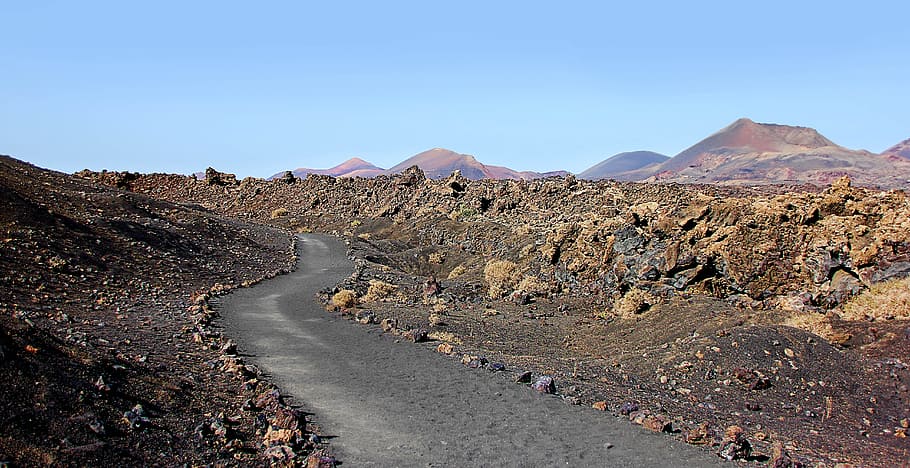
400 404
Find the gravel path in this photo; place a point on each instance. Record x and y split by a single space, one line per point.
400 404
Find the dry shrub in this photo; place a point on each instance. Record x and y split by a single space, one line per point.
533 285
501 276
437 258
444 336
279 212
456 272
883 301
344 299
812 322
379 290
634 302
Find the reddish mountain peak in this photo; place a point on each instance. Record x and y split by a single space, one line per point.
768 137
745 136
353 164
440 162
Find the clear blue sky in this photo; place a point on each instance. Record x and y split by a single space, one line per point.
258 87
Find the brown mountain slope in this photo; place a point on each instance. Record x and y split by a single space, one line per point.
749 153
617 166
96 317
901 150
354 167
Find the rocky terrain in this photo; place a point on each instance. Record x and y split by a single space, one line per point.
107 342
778 314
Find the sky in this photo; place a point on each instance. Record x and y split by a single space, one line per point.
255 88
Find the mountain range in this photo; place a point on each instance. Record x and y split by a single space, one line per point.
743 153
436 163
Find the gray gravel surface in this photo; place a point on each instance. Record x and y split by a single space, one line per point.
389 403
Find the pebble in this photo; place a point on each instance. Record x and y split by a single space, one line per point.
544 384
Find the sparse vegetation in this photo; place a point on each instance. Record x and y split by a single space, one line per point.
344 299
812 322
634 302
457 271
379 290
883 301
534 286
501 276
463 213
437 258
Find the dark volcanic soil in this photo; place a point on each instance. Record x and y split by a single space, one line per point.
102 309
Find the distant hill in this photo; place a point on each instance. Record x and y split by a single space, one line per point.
354 167
748 153
617 166
439 163
901 150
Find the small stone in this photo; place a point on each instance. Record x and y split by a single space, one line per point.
136 417
544 384
735 445
248 405
658 423
288 418
789 352
477 362
234 445
388 324
701 435
627 408
524 377
319 460
445 348
497 367
416 335
101 385
280 453
97 427
905 423
366 318
600 405
229 347
780 458
760 383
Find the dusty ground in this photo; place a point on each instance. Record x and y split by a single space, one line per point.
103 307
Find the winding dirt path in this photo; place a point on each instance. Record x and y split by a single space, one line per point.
400 404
